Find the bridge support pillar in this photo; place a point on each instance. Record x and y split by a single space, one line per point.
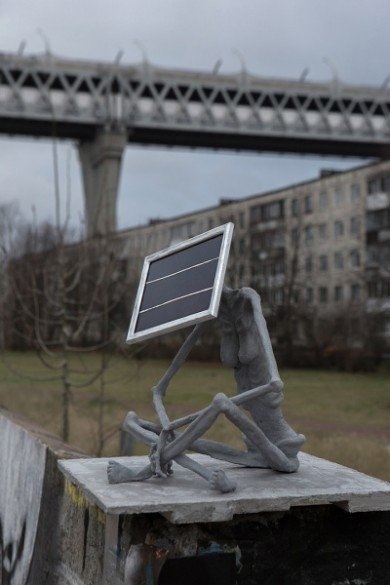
101 161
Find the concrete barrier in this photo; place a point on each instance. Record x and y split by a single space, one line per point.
326 524
75 529
35 528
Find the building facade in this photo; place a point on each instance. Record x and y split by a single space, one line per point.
321 246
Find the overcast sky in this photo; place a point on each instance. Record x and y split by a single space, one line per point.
277 38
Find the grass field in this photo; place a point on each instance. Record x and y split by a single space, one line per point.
345 417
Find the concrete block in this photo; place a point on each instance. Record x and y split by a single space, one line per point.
186 498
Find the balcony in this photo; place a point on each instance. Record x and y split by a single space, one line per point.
384 235
377 305
377 201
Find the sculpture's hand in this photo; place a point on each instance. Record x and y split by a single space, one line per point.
160 469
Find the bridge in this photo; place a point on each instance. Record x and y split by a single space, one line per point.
105 106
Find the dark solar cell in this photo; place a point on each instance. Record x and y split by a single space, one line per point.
185 258
174 310
190 280
182 285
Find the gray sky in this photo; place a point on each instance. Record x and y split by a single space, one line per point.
277 37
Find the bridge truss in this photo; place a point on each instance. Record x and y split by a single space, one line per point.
46 96
104 107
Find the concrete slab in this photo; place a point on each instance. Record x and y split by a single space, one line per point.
186 498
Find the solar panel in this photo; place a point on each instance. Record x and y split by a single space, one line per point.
181 285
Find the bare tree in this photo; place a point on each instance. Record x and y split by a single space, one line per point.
66 300
10 224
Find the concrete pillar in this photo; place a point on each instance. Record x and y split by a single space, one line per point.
101 161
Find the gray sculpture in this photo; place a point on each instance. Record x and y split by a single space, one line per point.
271 442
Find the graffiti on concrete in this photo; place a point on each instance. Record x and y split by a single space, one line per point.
22 464
10 555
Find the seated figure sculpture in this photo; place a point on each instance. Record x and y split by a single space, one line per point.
270 441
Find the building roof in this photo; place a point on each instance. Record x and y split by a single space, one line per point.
227 201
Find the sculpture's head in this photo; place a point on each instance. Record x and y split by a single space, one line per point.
241 337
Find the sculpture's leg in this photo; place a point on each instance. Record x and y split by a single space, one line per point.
142 430
118 473
216 478
225 453
275 458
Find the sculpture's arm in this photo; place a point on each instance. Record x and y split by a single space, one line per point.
275 385
161 387
272 386
221 404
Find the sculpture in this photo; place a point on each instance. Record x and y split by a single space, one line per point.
270 441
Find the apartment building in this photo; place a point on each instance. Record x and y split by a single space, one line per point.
323 242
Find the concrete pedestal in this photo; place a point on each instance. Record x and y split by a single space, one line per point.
280 528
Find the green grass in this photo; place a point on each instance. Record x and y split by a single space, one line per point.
344 416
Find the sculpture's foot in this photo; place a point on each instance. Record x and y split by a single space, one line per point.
220 482
163 471
118 473
159 469
291 445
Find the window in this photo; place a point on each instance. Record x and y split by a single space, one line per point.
182 231
323 232
385 288
309 235
354 258
308 204
323 201
355 292
373 289
338 229
241 272
309 294
274 210
379 288
279 266
379 219
372 254
241 246
374 185
211 224
295 207
279 238
355 193
338 293
323 294
339 197
241 219
294 236
267 211
271 239
278 296
262 269
379 183
323 263
338 261
275 268
308 264
355 226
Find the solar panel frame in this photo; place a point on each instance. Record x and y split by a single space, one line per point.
211 312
